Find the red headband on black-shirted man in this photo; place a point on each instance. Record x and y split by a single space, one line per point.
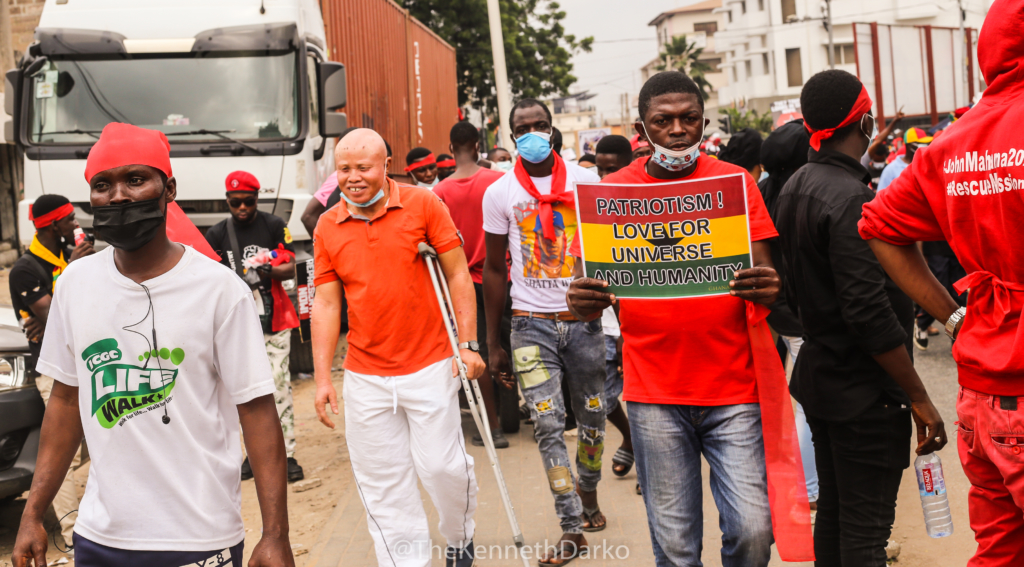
860 107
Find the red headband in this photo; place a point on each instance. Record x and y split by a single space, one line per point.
450 162
124 144
430 159
860 107
52 216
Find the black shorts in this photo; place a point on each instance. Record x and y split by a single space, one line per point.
91 554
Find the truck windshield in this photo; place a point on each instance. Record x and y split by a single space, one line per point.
252 98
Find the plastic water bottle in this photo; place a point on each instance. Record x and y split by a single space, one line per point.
937 519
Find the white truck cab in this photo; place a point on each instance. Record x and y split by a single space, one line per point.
234 84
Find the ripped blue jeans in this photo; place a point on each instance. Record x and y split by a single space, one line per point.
545 352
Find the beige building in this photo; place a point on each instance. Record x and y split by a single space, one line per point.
698 22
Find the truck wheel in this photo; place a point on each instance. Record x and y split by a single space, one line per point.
301 358
508 408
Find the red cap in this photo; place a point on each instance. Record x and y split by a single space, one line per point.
241 181
124 144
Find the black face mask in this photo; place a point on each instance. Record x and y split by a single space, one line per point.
129 226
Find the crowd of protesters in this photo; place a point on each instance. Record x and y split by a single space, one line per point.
860 241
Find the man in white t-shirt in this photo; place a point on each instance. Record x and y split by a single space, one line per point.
156 370
531 211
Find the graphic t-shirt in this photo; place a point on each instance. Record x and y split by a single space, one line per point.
265 231
541 269
690 351
30 280
156 486
465 198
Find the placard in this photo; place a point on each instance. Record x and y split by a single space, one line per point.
665 240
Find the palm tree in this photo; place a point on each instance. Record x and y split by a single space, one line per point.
749 119
681 55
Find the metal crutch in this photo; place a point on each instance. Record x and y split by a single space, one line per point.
472 391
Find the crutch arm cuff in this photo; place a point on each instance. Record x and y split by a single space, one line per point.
426 250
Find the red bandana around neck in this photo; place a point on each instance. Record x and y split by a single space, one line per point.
860 107
422 163
558 194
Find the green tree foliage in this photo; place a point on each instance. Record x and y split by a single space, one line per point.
683 56
749 119
538 52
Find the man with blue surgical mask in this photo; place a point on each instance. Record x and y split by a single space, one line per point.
531 211
689 363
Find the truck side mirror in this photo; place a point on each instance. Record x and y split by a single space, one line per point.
333 95
12 98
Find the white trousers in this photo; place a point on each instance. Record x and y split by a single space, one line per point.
399 428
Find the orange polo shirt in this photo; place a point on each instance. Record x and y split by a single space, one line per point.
395 325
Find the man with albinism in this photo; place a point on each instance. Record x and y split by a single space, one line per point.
402 418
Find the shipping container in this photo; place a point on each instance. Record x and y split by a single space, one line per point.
401 76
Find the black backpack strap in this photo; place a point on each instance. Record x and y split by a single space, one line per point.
236 254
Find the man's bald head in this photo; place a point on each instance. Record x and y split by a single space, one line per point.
362 159
359 143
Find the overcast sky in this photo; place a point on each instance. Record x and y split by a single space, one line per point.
613 66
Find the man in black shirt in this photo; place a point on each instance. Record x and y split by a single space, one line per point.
31 281
854 377
242 241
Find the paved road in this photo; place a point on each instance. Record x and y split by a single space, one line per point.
345 540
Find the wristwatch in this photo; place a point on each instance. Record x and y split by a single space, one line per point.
953 321
471 345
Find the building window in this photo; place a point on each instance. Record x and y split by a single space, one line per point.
706 27
849 56
749 69
729 16
788 10
732 74
760 5
713 63
743 7
764 64
793 69
844 54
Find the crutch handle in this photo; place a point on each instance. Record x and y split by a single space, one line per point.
426 250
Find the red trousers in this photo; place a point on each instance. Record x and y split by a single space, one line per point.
991 443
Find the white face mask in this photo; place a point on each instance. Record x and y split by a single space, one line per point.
874 128
504 165
675 160
427 185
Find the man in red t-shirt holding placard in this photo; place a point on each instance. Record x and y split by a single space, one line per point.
690 380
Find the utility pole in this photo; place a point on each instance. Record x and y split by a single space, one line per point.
500 72
624 99
831 45
965 51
